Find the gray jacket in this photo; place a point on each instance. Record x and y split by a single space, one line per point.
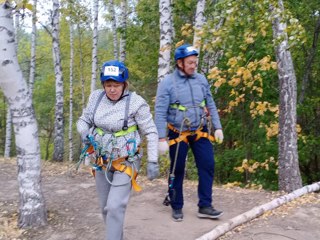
189 91
109 117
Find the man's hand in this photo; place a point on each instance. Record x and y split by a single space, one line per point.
163 146
152 170
218 135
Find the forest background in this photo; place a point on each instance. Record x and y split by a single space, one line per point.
238 41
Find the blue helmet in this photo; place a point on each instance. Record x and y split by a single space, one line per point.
185 50
114 70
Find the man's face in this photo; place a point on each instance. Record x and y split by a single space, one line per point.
188 65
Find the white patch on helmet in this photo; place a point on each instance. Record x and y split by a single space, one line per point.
191 48
111 71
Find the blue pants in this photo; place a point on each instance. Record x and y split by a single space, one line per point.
204 157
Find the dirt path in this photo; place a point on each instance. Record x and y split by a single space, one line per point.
74 214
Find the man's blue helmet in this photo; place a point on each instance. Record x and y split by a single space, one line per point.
185 50
114 70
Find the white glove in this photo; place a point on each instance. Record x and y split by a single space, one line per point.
218 135
163 147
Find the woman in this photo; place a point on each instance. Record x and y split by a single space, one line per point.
113 123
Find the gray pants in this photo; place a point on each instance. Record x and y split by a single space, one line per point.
113 199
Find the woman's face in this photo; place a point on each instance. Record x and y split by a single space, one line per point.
113 89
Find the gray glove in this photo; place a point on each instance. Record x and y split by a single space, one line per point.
152 170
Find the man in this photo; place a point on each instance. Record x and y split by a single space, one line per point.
184 103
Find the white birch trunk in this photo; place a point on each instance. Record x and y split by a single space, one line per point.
257 211
199 21
289 173
7 145
114 29
165 11
123 30
32 211
33 48
59 123
83 101
173 32
71 93
94 45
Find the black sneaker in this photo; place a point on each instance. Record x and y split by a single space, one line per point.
209 212
177 215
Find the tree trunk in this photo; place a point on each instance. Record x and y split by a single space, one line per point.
289 173
165 11
32 211
257 211
7 145
199 21
71 93
59 123
123 30
83 100
33 48
114 29
94 45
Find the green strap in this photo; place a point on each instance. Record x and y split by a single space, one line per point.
124 132
183 108
178 106
119 133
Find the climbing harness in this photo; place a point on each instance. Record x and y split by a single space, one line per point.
102 161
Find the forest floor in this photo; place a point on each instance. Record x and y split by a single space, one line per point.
73 212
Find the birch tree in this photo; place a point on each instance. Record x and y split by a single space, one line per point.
71 91
94 45
114 29
33 47
32 211
122 27
83 101
289 173
199 21
165 11
7 146
59 123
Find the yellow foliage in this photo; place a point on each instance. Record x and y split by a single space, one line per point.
178 44
272 129
232 62
274 65
234 81
214 73
219 82
231 185
240 71
252 66
246 74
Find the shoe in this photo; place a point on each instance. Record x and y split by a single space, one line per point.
177 215
209 212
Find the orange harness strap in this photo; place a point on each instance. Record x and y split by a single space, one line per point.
183 135
118 165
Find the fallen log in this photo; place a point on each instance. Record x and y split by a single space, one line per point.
257 211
